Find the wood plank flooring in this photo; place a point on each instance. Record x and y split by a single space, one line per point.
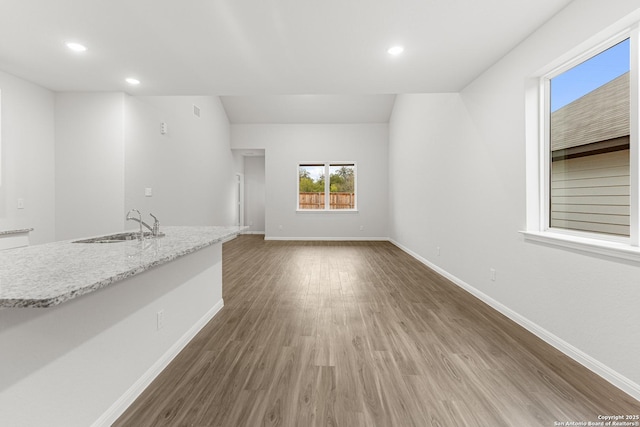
361 334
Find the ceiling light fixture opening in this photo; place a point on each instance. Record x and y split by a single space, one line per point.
132 81
76 47
395 50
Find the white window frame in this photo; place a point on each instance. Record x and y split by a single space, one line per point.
327 187
538 157
0 138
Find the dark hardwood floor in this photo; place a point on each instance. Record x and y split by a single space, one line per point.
361 334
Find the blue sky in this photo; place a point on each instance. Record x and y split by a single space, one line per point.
314 171
591 74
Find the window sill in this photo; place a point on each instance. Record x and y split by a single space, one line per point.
327 211
618 250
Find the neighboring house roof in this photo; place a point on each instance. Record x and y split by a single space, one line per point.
600 115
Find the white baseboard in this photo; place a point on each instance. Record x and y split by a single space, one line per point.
615 378
252 232
121 405
335 239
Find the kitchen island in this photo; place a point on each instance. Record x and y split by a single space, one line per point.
49 274
85 327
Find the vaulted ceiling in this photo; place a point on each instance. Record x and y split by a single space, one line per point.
263 48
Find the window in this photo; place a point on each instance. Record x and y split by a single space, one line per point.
589 129
315 192
582 130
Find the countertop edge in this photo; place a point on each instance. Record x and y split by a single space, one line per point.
92 287
17 231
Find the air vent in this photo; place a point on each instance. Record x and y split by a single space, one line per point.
196 111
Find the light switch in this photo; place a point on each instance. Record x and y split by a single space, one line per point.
148 192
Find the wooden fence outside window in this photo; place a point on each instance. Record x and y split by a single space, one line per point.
316 200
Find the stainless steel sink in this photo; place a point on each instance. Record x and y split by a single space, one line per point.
120 237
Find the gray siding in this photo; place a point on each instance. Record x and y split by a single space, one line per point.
591 193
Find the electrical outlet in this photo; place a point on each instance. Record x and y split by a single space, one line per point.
280 227
438 251
20 203
492 274
148 192
361 227
160 319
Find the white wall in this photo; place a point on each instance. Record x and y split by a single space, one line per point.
27 151
109 149
190 169
287 145
89 188
254 191
466 154
64 155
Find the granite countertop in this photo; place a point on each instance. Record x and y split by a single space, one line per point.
19 231
50 274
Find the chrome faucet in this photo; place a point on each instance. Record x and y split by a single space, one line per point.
155 230
156 225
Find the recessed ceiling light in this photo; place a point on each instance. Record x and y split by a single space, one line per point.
76 47
132 81
395 50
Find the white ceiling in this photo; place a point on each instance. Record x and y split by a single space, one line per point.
264 48
309 108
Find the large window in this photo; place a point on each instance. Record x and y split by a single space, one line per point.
315 192
588 117
583 161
